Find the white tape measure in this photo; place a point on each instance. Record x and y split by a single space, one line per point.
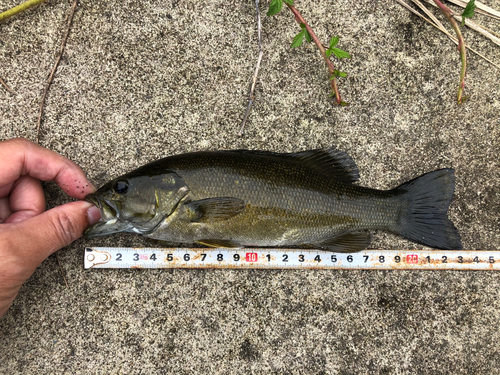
116 257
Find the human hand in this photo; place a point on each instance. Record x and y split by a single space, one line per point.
28 235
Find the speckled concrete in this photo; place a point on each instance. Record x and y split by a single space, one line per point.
144 79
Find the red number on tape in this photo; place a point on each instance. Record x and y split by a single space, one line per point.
412 258
251 257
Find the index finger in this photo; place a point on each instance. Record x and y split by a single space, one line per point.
20 157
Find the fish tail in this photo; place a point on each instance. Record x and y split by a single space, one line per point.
424 217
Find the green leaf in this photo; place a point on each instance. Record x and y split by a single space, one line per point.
340 54
334 41
289 2
308 37
338 73
468 11
328 52
275 7
299 38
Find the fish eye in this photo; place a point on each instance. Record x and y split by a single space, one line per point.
120 187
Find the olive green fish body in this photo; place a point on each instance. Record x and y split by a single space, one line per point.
275 212
253 198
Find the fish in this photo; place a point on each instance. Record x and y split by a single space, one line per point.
245 198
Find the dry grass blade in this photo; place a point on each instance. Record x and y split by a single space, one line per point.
438 23
415 12
440 26
480 8
476 27
489 30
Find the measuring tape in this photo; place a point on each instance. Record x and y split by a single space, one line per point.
118 257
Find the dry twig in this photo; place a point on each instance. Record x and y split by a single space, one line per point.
6 87
60 267
49 81
254 81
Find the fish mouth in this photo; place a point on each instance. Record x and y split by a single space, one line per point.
108 212
110 222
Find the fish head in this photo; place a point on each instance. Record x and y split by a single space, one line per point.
136 203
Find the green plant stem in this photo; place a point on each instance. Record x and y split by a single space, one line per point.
461 47
20 8
331 68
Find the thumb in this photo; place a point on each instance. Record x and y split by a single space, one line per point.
46 233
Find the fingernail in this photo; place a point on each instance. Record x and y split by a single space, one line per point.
93 215
92 188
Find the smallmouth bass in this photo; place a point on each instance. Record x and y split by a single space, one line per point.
257 198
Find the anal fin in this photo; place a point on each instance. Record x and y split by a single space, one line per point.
219 243
350 242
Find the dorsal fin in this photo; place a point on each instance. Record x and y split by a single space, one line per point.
330 161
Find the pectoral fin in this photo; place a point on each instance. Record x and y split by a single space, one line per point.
347 243
215 209
219 243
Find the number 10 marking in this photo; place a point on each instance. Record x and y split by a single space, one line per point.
251 257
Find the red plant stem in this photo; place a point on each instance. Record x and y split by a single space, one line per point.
331 68
461 46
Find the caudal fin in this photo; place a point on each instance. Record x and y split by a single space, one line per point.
425 219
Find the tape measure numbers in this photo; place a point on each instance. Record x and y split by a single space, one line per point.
115 257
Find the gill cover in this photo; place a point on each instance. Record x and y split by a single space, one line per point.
136 203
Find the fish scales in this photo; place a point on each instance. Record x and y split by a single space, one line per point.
277 210
271 183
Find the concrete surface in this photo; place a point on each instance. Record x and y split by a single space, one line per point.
144 79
